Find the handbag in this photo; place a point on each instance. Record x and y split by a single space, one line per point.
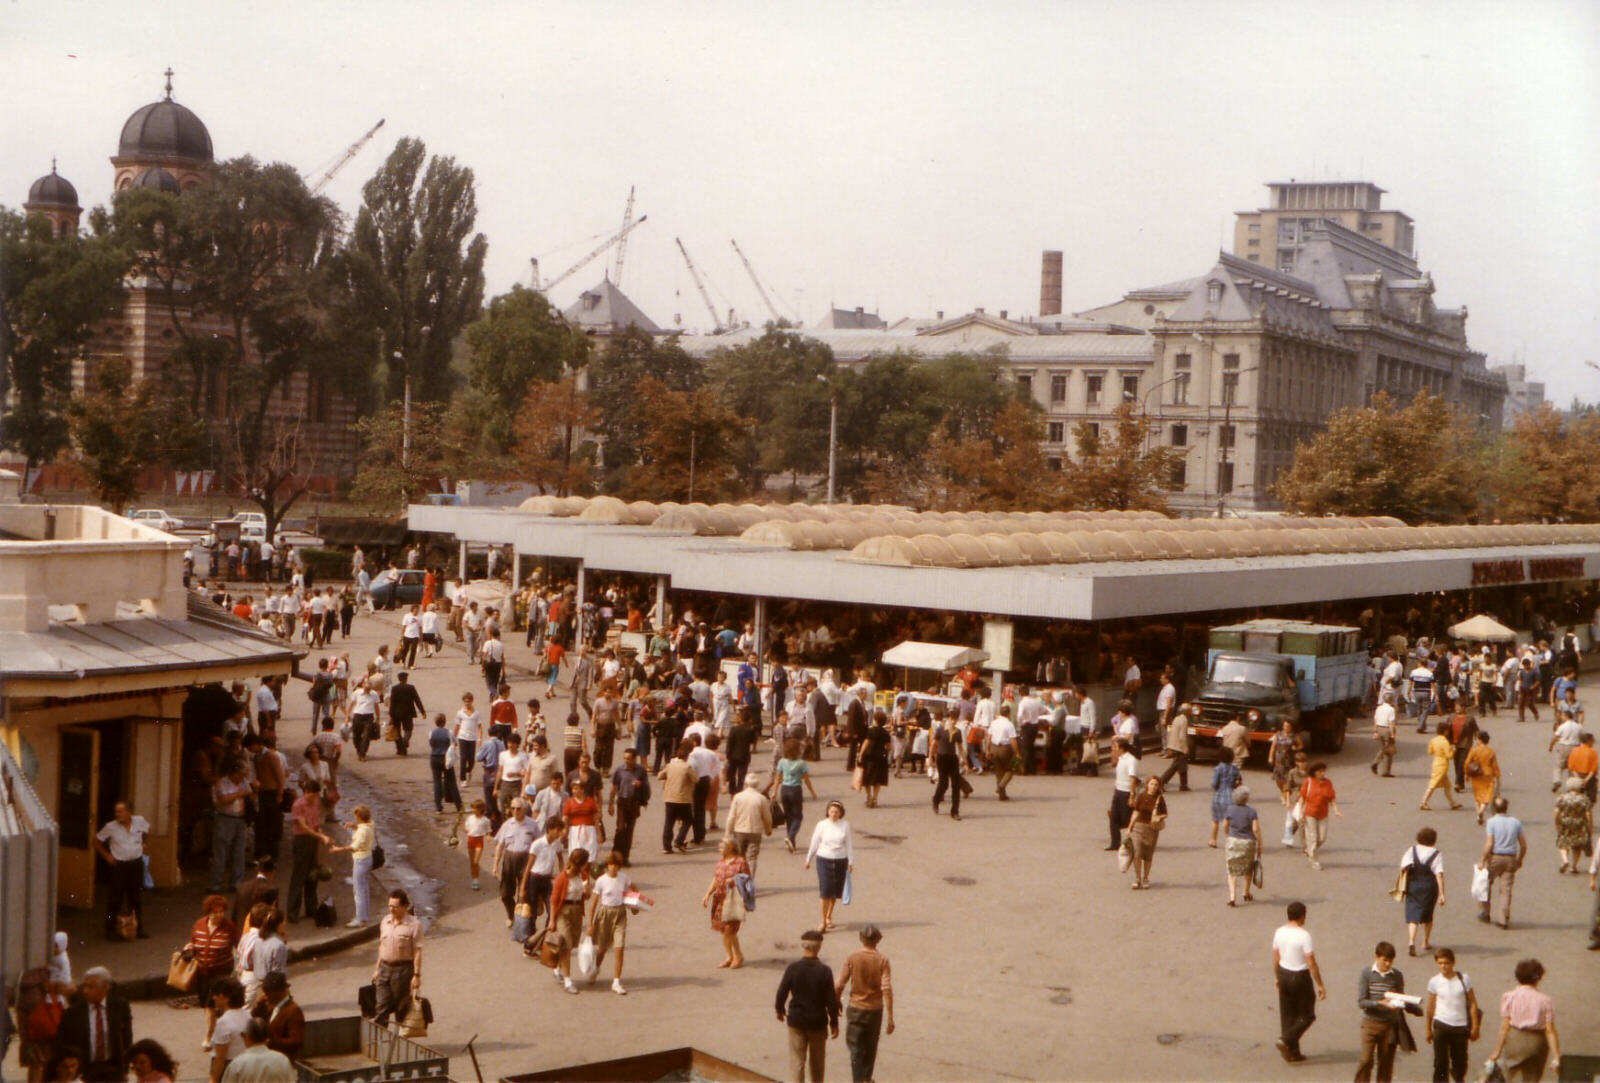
128 925
856 777
522 924
182 970
415 1022
1258 873
390 733
367 1000
377 856
1125 855
549 953
733 908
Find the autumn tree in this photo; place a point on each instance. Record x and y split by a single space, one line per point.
120 428
1117 470
53 290
1547 469
617 377
394 471
1419 463
688 445
415 230
1000 467
552 449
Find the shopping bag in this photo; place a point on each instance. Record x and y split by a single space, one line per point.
452 757
1480 883
128 925
778 815
585 962
844 897
856 777
415 1022
1258 874
149 881
733 908
390 733
522 923
182 970
1125 855
1290 828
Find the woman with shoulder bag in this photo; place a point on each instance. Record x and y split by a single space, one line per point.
727 905
1149 816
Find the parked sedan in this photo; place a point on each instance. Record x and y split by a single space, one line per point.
394 587
158 518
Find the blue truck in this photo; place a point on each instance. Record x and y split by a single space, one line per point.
1268 671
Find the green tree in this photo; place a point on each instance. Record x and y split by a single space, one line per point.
390 474
121 428
415 230
616 378
1119 470
519 342
1418 463
53 291
781 384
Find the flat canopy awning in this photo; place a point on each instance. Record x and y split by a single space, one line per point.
1484 629
939 657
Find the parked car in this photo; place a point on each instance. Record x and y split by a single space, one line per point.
158 518
397 586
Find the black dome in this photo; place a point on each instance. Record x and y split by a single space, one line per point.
165 129
158 179
53 189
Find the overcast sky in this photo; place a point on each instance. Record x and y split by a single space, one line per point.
904 157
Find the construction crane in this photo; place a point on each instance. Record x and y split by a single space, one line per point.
598 250
759 288
322 179
701 286
622 240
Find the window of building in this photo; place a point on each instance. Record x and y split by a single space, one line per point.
1182 361
1286 259
1230 360
1180 390
1058 387
1230 388
1179 477
1056 432
1255 227
1213 291
1286 231
1130 388
1093 383
1053 462
1180 436
1253 242
1094 430
1025 382
1224 478
1225 435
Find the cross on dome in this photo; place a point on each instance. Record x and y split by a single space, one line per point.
168 73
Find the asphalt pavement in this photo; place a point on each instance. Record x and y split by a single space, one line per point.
1018 950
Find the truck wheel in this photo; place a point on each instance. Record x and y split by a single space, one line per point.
1334 738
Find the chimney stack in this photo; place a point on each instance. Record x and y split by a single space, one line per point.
1050 284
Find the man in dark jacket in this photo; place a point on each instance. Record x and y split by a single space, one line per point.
286 1023
809 1004
405 705
101 1025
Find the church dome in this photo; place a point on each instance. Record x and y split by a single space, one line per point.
158 179
165 129
54 190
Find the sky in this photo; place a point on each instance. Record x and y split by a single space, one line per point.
904 157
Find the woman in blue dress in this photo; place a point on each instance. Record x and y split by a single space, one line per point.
1224 778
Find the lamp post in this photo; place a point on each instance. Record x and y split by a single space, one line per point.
1144 403
833 430
1228 393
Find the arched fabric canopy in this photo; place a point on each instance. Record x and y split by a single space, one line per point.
1482 628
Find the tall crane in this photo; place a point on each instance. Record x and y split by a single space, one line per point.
598 250
759 288
622 240
701 286
321 180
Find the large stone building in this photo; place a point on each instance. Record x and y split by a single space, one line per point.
1523 396
165 146
1274 234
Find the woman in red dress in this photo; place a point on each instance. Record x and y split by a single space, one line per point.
731 865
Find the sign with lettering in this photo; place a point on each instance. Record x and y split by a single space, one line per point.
1499 573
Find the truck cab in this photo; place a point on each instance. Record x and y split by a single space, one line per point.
1266 672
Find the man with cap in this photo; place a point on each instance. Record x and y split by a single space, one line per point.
866 971
808 1002
286 1023
259 1063
511 846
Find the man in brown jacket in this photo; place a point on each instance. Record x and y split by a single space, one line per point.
286 1023
679 777
749 820
866 971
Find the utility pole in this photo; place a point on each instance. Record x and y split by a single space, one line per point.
833 430
692 435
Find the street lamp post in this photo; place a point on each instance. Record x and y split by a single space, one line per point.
1228 393
833 431
1144 403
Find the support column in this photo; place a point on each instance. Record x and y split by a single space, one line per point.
760 624
461 562
516 569
579 602
661 602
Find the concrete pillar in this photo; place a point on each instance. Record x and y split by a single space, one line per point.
760 623
516 569
579 602
461 562
661 601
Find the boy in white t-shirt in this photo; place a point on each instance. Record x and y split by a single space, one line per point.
468 725
477 828
1294 961
608 917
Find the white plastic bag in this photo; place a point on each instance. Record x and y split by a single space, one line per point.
1480 883
1291 828
585 962
452 757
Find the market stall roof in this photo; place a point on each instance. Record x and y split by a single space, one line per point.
939 657
1483 628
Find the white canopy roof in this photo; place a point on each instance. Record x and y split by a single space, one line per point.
939 657
1482 628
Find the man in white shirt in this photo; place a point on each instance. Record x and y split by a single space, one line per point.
1125 723
266 701
1121 811
545 859
1294 963
120 843
1383 725
319 605
511 845
472 628
430 632
1166 702
1003 751
705 764
1088 720
410 637
511 772
1564 740
983 715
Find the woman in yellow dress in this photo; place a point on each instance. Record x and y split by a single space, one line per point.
1483 771
1442 752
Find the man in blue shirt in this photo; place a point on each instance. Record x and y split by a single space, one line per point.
1504 847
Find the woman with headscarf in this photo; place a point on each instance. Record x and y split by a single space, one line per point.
1243 843
833 850
1149 816
1225 778
1483 771
1574 820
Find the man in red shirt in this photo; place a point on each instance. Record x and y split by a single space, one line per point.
502 714
308 838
